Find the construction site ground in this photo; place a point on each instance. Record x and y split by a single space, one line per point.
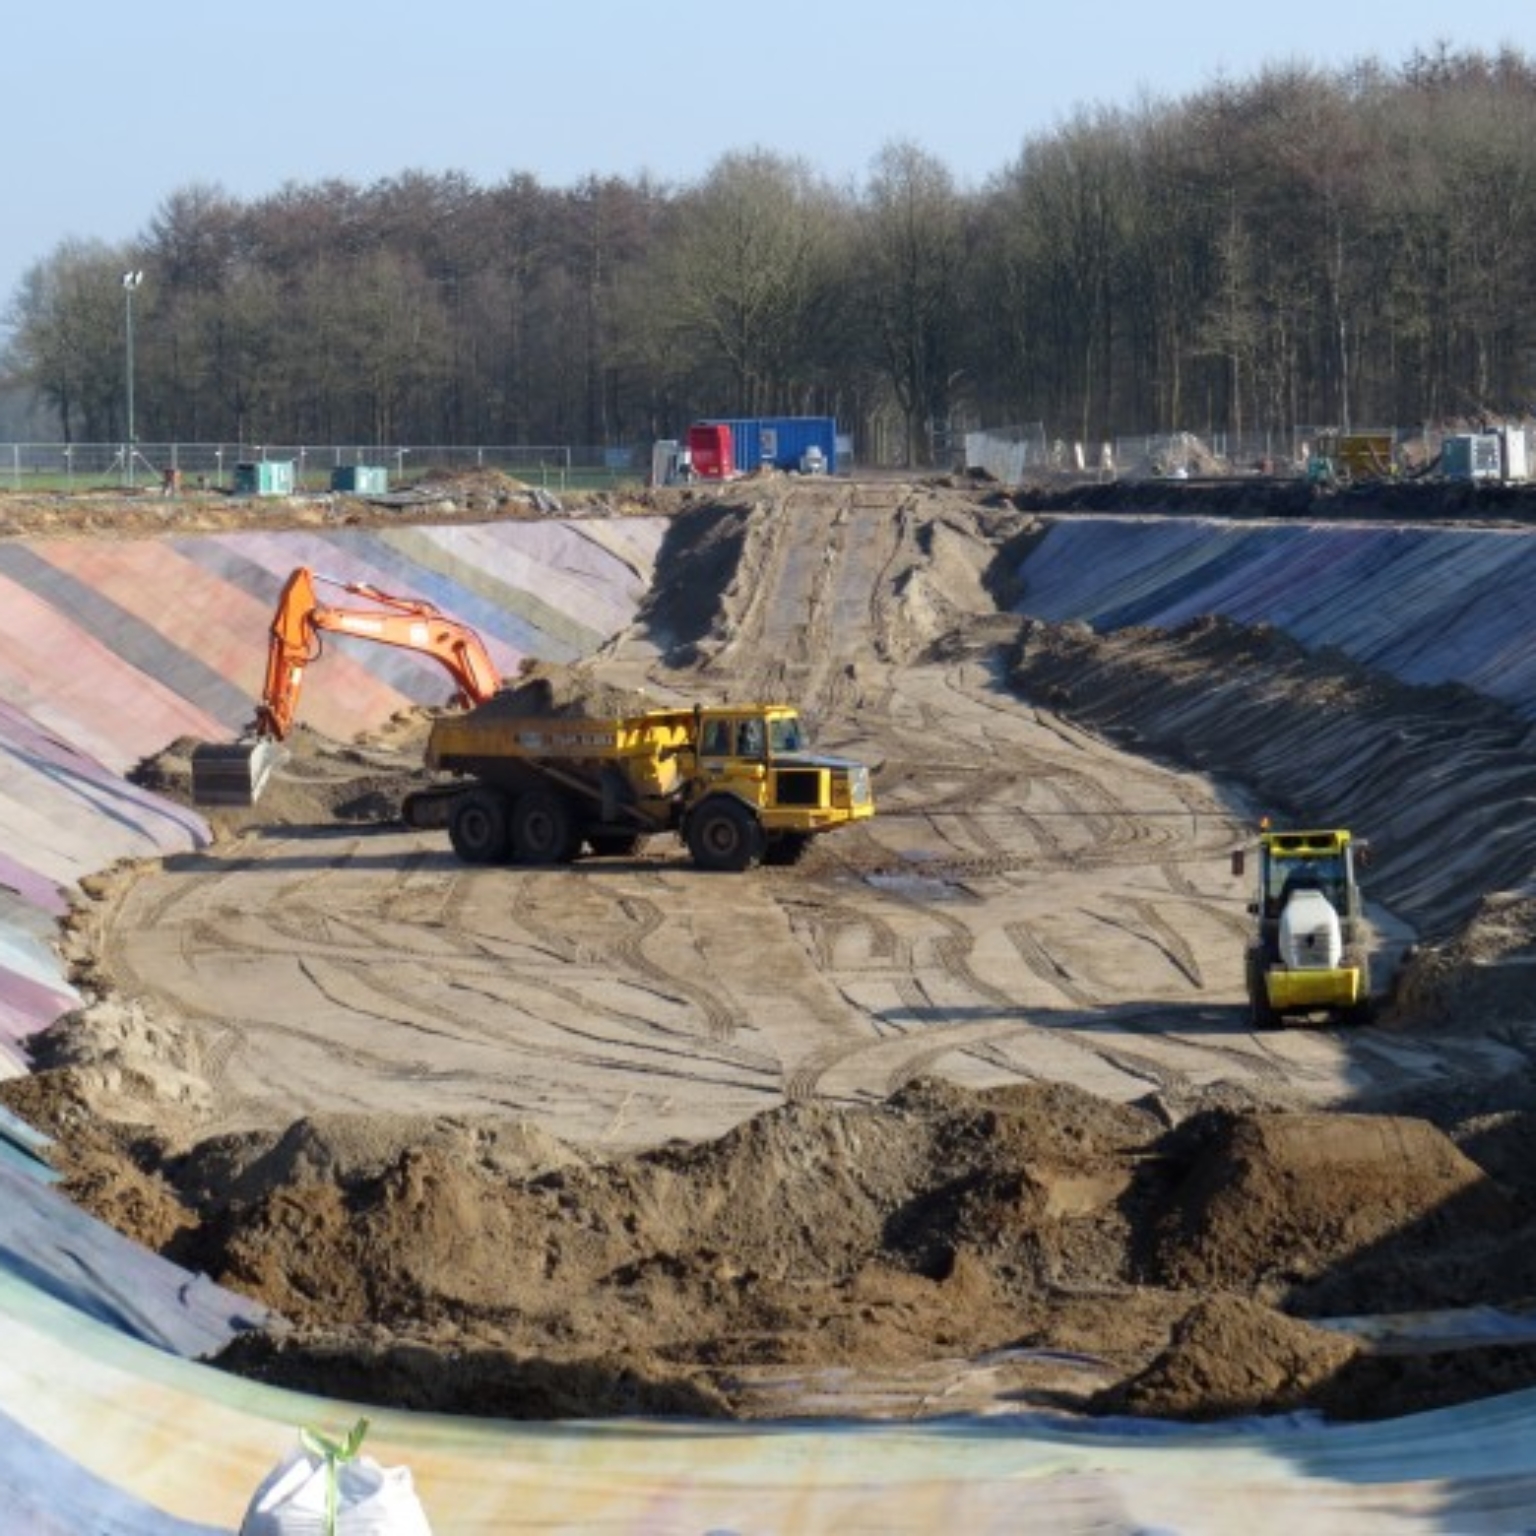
962 1113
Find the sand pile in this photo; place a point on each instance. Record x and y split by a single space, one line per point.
471 1266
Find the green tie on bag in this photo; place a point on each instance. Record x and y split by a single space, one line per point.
333 1453
324 1486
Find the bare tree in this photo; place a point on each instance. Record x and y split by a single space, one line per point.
737 275
69 338
913 255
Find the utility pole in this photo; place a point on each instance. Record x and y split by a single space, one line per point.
131 281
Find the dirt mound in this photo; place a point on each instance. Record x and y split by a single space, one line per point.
482 490
103 1166
1481 972
1272 1202
1230 1358
698 559
480 1267
793 1204
350 1150
442 495
549 688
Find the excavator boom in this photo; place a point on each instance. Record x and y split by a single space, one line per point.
236 774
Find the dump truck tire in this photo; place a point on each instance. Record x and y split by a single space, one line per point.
544 829
724 835
477 827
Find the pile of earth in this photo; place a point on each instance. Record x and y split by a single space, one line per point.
445 496
1194 1271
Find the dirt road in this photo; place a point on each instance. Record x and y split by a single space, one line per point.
726 1114
1030 904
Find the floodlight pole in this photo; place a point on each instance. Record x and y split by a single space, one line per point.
131 281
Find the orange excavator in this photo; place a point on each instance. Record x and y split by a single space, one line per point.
236 773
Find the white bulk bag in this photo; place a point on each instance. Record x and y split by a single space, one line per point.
324 1488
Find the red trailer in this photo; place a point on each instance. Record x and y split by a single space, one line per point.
711 451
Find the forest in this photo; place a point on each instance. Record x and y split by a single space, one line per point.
1353 248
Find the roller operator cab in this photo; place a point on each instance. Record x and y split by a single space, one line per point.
1309 951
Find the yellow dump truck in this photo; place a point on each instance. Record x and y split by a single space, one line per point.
1309 950
739 784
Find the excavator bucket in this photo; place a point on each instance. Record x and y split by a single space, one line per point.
233 773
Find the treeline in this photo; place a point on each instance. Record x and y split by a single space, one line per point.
1351 248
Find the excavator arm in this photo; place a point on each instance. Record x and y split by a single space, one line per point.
405 622
236 774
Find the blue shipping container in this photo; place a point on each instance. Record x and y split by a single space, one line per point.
780 442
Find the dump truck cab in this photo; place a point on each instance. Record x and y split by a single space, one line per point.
758 756
1309 950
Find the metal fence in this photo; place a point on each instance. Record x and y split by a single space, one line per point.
78 466
1012 455
1008 454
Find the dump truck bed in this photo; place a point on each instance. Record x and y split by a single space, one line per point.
571 738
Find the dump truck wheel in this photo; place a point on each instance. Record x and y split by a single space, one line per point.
544 828
477 827
724 834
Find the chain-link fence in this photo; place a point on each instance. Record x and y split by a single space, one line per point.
78 466
1008 455
1013 455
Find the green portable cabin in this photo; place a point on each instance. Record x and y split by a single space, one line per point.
360 479
268 477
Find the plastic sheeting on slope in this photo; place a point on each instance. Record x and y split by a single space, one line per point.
119 647
1427 605
117 1428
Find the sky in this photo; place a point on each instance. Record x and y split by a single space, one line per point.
108 109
